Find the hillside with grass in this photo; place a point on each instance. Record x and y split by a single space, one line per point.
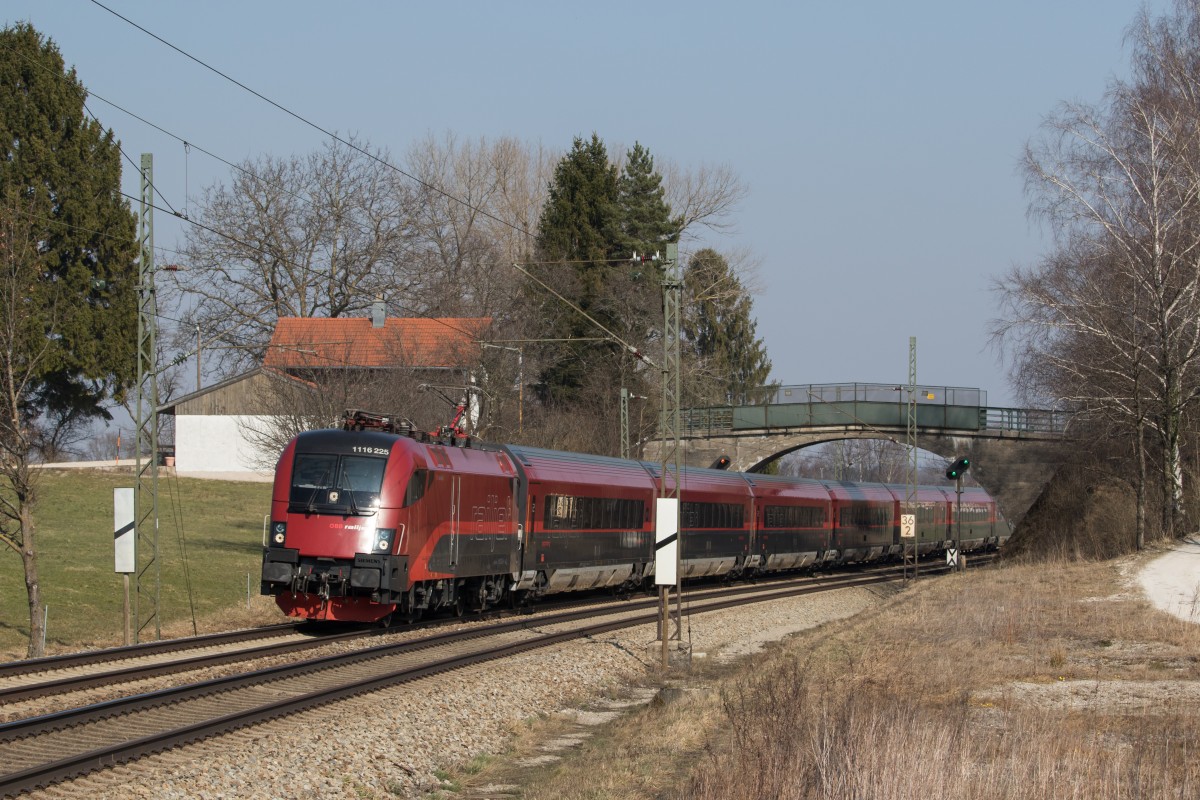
210 538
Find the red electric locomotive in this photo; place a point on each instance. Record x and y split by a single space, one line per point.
375 520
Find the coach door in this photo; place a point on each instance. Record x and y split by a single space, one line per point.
455 519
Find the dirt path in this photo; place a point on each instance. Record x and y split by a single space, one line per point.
1172 581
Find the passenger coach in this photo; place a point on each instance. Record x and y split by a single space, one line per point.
376 520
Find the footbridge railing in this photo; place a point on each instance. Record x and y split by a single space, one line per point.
871 405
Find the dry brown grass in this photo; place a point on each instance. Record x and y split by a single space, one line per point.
1025 682
1053 680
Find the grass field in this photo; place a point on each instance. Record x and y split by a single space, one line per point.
217 524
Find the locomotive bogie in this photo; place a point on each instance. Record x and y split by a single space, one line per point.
790 560
706 567
579 579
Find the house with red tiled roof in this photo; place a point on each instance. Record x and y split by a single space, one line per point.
214 427
313 343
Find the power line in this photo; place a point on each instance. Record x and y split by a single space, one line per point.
170 208
187 143
483 212
250 173
636 353
314 125
136 167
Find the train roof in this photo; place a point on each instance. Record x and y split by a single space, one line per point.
561 466
336 440
845 490
703 478
974 494
925 492
786 486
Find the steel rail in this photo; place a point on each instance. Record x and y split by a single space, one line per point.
22 728
82 763
32 665
74 683
79 764
141 672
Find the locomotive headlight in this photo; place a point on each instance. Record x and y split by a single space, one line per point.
383 539
278 532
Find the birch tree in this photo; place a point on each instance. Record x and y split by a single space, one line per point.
1109 321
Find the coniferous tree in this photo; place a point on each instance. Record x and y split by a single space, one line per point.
579 247
720 332
66 171
647 226
646 221
67 277
593 222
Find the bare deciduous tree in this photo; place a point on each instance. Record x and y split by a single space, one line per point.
872 460
323 235
477 201
704 197
1109 322
24 347
327 234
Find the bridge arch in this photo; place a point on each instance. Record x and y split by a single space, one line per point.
1014 451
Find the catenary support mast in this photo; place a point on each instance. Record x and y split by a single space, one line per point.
910 498
672 296
149 568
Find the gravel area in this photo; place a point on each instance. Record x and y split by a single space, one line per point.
389 744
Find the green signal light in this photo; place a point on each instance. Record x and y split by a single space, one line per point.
958 468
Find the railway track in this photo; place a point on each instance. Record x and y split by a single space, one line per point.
31 666
22 680
59 676
53 747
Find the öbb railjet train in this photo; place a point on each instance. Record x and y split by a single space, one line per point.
372 522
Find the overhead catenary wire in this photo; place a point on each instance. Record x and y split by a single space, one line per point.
138 169
314 125
264 252
176 496
250 173
636 353
331 134
449 196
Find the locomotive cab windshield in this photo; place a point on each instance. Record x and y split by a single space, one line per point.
324 483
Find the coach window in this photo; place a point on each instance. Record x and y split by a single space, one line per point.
416 486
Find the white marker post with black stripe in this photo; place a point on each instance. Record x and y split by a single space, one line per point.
124 544
666 560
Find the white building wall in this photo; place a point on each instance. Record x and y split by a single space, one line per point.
215 444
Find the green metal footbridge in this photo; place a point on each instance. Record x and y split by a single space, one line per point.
1014 451
865 406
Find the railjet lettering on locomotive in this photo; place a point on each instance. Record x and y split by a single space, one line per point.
491 518
480 524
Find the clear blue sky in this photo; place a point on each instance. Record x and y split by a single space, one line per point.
879 140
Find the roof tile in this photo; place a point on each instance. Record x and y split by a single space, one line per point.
322 342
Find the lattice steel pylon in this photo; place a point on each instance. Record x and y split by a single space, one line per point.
671 433
671 394
624 422
910 497
149 568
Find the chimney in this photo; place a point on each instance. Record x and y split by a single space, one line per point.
378 313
